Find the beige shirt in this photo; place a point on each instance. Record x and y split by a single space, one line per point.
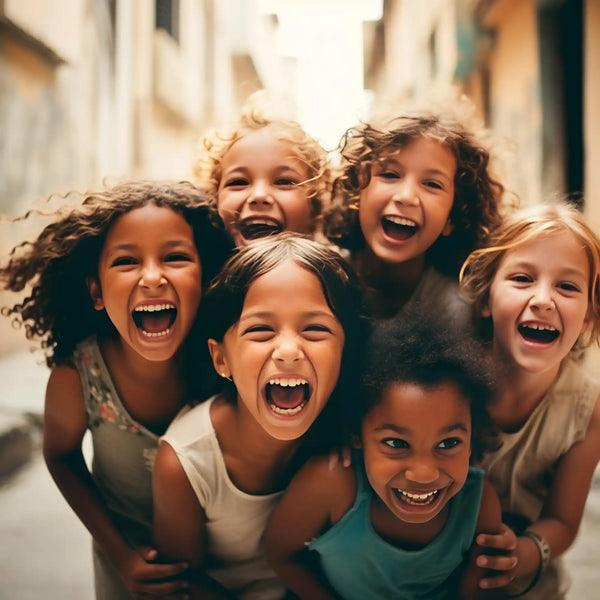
523 469
235 520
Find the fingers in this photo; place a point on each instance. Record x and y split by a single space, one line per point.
502 541
497 563
496 581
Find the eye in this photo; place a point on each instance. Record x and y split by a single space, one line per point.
123 261
449 443
395 443
258 333
285 182
178 257
237 182
520 278
316 332
389 175
568 287
433 184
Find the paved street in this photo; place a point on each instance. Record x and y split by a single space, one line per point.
45 551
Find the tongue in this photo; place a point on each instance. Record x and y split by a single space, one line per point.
155 322
286 397
254 231
398 232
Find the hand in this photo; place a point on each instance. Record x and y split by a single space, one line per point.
341 456
146 579
502 555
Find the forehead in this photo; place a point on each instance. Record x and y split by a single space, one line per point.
149 222
430 149
288 284
413 405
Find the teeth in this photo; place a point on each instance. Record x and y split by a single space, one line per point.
541 327
401 221
153 307
418 496
287 382
157 334
287 411
260 222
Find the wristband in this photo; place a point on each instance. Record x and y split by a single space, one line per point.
544 550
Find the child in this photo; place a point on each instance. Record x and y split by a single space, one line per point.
401 522
267 175
116 283
282 319
414 198
536 286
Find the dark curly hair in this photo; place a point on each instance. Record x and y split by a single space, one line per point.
476 207
59 309
418 349
222 305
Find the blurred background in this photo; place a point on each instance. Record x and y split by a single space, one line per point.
99 89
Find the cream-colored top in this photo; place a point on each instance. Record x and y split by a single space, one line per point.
235 520
523 469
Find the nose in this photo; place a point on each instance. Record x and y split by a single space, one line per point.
406 191
287 349
151 275
260 194
542 297
422 470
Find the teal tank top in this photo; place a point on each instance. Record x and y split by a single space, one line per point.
359 564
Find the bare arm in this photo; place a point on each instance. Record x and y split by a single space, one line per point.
179 523
316 494
65 423
489 521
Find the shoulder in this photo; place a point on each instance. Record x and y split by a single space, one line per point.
64 380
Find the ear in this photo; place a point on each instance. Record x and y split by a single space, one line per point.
217 353
485 310
93 286
448 228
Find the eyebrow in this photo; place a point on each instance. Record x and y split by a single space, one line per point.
128 247
569 271
460 426
266 315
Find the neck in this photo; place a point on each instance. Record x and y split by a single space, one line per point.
387 286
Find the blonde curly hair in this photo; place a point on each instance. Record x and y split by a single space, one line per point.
258 114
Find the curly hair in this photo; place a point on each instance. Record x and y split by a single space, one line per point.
419 349
527 224
222 305
59 310
477 197
207 168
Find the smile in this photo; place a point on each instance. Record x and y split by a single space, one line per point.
398 228
544 334
253 229
287 396
416 499
154 320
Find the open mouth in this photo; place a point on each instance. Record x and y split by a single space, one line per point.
399 228
258 228
413 499
543 334
154 320
287 396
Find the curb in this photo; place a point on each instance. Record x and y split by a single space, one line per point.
20 436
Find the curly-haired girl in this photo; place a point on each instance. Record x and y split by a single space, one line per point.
266 174
414 198
115 284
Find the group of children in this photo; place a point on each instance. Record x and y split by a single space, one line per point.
317 382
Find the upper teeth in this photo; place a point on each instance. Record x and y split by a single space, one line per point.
418 496
401 221
287 382
153 307
260 222
541 327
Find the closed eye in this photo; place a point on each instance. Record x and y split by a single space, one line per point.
123 261
569 287
433 184
388 175
238 182
284 182
178 257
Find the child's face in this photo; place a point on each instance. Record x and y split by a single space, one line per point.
284 353
416 444
259 192
149 280
406 205
538 301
